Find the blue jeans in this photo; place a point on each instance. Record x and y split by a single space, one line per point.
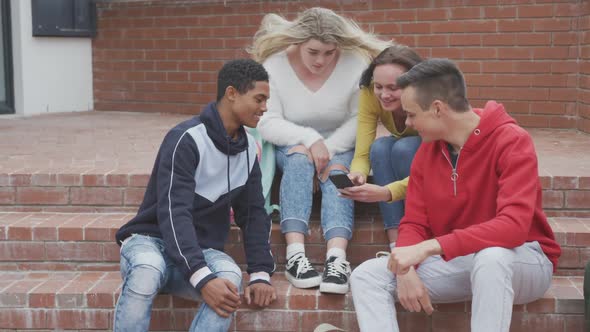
391 159
147 270
296 195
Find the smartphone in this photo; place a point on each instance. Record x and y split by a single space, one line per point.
341 181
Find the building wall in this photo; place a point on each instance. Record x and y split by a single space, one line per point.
584 75
162 56
51 74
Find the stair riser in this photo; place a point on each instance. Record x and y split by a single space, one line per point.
125 192
275 320
36 255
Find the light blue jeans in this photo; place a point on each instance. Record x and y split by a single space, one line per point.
493 279
147 270
296 195
391 159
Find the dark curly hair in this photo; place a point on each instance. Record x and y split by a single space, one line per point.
241 74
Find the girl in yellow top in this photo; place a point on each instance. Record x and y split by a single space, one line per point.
390 157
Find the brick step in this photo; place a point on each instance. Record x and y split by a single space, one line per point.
563 196
85 300
85 241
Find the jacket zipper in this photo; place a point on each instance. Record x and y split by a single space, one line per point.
454 174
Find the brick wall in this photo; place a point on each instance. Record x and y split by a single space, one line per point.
584 75
162 56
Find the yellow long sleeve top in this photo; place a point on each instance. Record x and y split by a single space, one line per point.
369 114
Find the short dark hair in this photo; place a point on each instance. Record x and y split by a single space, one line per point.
436 79
397 54
241 74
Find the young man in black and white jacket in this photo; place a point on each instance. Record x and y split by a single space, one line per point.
205 166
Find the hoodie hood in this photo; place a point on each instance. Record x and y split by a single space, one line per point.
216 131
493 116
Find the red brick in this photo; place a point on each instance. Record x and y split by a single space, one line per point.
96 196
19 251
500 12
11 318
432 40
133 196
577 199
565 182
7 195
267 321
303 299
463 26
117 180
505 39
515 25
18 180
427 14
78 319
561 24
387 28
68 180
535 11
584 182
466 13
73 251
533 39
570 258
526 322
465 40
456 322
42 195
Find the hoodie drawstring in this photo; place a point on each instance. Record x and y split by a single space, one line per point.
247 193
229 184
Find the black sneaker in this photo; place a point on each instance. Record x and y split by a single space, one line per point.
300 273
335 277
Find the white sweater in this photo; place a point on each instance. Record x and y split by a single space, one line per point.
296 115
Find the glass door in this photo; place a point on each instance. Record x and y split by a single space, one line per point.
6 83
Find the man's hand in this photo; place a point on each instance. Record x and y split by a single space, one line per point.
357 178
262 294
366 193
222 296
321 156
412 293
403 258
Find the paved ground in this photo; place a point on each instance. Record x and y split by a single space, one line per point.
116 142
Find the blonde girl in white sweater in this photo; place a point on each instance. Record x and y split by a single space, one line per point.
314 64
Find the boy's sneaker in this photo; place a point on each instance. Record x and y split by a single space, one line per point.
300 273
335 277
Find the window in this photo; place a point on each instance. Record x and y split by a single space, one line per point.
64 18
6 83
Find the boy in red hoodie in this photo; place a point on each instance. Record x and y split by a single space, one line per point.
474 227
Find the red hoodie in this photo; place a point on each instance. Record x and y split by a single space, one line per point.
495 200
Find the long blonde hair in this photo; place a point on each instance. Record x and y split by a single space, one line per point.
277 33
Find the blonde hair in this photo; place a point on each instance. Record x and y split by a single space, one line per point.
277 33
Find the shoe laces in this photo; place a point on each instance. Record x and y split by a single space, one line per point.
338 267
303 264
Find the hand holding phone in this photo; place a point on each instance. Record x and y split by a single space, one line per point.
341 181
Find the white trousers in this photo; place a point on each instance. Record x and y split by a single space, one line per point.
493 279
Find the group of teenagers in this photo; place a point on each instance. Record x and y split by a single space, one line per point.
457 186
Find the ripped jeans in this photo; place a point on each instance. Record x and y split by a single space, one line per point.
296 195
147 270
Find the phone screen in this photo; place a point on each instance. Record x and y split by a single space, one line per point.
341 181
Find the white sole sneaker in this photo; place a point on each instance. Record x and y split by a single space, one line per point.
326 287
303 283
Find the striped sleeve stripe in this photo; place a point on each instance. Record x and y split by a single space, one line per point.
170 202
199 275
